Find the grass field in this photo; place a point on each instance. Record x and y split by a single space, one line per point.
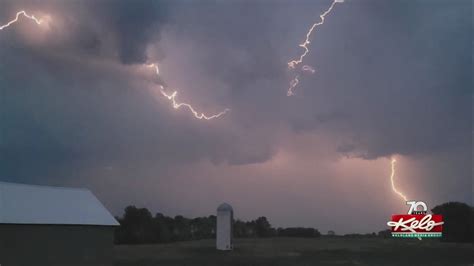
299 252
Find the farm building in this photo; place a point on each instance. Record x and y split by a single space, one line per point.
225 216
42 225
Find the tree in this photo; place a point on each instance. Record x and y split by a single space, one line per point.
135 226
263 227
458 221
385 233
182 228
202 227
162 228
240 229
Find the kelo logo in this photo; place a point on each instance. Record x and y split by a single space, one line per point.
417 223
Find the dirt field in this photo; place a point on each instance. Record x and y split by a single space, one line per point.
299 252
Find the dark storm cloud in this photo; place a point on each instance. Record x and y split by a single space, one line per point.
243 49
413 84
135 25
410 97
96 28
406 90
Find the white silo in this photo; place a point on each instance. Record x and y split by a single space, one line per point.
225 217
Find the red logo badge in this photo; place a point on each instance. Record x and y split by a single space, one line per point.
416 223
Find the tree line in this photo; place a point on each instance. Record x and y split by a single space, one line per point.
139 226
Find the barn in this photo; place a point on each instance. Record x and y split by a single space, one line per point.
42 225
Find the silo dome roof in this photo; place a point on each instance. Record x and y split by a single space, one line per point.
224 207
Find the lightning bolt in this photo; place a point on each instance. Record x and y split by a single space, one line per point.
307 68
177 105
17 17
304 45
293 63
293 83
392 175
171 97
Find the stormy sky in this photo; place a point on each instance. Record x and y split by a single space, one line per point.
393 78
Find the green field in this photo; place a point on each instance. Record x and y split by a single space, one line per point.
299 252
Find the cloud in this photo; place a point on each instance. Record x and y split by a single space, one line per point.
99 28
134 25
399 101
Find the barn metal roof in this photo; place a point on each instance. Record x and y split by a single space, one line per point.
32 204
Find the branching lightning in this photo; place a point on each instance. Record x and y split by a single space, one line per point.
157 70
17 17
293 83
293 63
304 45
171 97
392 175
177 105
307 68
